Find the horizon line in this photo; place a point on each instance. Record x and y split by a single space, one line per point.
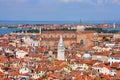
60 20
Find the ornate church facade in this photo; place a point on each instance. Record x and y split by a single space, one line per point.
51 38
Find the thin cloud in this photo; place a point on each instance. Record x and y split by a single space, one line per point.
72 1
13 1
116 1
93 2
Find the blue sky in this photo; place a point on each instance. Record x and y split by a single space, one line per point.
60 10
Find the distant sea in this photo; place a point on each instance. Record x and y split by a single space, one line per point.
36 22
2 22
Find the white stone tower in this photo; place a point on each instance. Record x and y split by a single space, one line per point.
61 49
40 30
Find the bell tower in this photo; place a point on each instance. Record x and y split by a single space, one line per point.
61 49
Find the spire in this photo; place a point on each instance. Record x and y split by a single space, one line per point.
61 43
61 49
61 38
81 22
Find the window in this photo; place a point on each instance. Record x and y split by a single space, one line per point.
43 36
73 36
51 36
65 36
81 42
98 70
58 36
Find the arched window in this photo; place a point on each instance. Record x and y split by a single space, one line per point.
43 36
73 36
81 42
65 36
103 37
51 36
58 36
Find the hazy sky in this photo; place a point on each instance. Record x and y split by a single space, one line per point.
46 10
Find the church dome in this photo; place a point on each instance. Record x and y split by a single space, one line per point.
80 28
86 55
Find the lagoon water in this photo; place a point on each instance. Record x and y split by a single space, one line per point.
112 29
9 30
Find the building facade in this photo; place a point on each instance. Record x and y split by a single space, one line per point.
80 36
50 38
